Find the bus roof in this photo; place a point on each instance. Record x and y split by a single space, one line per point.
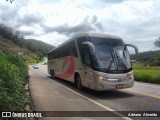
87 35
97 35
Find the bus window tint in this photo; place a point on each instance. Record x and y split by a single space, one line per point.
81 47
67 50
111 54
87 60
103 55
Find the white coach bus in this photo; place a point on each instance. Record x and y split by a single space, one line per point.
96 61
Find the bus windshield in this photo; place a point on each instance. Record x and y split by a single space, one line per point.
111 54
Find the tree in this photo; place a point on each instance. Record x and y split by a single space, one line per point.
17 37
157 42
10 0
5 31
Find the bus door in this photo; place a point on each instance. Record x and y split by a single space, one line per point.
86 70
88 74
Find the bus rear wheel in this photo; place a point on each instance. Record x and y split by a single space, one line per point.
78 82
53 74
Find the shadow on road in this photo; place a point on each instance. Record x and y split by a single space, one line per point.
110 94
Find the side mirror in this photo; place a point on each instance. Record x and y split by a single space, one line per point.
135 48
91 47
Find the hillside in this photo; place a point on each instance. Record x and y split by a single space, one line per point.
10 38
8 45
38 46
151 58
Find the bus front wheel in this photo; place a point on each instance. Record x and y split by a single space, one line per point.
78 82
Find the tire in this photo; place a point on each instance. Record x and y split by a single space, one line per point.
53 74
78 82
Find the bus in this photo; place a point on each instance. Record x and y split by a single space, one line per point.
92 60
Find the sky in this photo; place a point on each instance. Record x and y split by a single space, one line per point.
54 21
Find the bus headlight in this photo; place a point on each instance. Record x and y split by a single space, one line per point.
102 76
129 76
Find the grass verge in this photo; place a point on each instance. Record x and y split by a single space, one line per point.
13 75
147 74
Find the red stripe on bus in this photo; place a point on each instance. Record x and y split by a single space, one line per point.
65 61
70 70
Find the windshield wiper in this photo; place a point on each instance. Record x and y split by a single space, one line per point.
120 62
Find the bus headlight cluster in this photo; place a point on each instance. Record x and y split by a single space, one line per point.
129 76
101 76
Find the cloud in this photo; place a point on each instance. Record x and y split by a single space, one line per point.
34 30
86 25
137 22
92 4
30 19
112 1
8 15
52 38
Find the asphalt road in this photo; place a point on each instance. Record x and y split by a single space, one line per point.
59 95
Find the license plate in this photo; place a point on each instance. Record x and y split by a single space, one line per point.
119 86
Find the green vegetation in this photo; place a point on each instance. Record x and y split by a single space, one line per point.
13 67
157 42
34 50
148 67
17 38
29 56
150 58
147 74
38 46
13 75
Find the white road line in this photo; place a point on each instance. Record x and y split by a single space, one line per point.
97 103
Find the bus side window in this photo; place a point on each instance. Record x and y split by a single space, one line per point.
81 48
86 57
